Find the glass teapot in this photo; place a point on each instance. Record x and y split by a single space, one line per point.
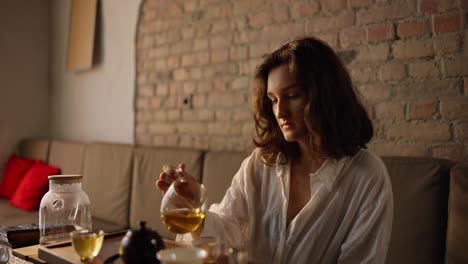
64 208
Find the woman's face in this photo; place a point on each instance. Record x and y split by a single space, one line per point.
288 101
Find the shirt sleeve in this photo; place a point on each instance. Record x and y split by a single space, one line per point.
228 220
369 236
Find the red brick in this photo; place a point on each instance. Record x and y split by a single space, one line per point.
188 33
173 115
144 116
202 58
413 49
188 88
340 21
398 149
422 109
380 13
246 37
419 132
142 103
238 53
181 47
359 3
424 70
203 29
261 18
220 41
224 99
415 28
219 27
457 66
450 152
454 109
281 13
200 44
220 55
447 43
188 60
427 89
389 110
304 9
364 74
392 71
205 115
448 23
190 6
333 5
204 86
372 53
435 6
199 101
155 102
380 32
162 89
282 31
173 62
352 37
258 50
159 52
374 92
223 115
461 131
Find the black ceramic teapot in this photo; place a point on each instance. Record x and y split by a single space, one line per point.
139 246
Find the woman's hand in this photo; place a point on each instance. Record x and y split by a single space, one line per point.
170 173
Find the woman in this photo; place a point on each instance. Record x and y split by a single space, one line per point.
310 192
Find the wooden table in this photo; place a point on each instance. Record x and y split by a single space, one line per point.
64 253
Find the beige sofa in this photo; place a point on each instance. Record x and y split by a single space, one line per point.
430 223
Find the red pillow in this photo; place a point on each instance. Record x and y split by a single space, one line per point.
33 186
15 170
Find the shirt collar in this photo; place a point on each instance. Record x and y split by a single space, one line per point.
327 173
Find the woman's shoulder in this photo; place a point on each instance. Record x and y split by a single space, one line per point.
369 161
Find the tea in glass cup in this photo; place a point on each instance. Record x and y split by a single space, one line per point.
211 245
87 243
182 206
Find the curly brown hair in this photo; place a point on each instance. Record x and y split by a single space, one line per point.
333 112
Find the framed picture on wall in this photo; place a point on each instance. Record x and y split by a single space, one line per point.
81 35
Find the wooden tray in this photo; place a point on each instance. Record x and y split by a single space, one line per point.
64 253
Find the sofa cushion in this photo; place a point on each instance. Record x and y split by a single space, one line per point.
68 156
33 186
106 226
457 230
34 149
15 170
146 198
12 216
106 180
420 193
218 170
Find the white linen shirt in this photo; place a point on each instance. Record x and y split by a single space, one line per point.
348 218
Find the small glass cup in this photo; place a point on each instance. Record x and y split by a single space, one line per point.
211 245
181 255
87 243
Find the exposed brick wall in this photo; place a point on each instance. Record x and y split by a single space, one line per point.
408 58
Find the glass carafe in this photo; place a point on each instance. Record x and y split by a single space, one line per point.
64 208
